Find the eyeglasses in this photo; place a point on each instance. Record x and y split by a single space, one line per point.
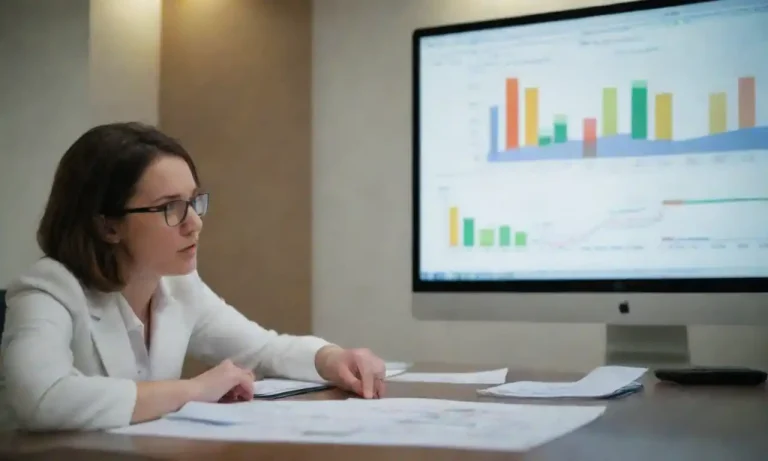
176 211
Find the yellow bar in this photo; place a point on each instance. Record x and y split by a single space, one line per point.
454 226
664 116
531 116
717 112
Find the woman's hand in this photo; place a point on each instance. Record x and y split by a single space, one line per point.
225 383
356 370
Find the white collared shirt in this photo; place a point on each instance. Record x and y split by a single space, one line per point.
135 330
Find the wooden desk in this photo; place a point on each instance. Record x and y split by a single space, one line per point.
661 423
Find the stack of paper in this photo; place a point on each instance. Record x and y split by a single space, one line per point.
398 422
603 382
277 388
480 377
272 388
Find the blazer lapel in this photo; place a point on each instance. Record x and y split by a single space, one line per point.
111 337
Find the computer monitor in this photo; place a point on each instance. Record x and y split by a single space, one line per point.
602 165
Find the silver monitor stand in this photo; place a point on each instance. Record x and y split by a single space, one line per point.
647 346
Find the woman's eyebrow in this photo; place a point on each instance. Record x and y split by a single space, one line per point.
169 197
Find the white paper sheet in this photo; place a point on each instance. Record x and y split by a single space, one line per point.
398 366
481 377
601 382
400 422
395 372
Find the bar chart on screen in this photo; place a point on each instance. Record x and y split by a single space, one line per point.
522 219
666 225
616 95
536 234
599 136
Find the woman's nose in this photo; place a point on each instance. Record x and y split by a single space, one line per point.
193 222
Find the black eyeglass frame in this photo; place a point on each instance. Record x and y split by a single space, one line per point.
165 206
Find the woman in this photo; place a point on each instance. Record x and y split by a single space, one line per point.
97 331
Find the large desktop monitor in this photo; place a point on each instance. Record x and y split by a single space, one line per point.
602 165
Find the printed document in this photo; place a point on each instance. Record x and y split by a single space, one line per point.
602 382
394 422
481 377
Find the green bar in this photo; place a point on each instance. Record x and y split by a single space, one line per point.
505 236
469 232
545 140
486 237
610 112
561 129
639 110
521 239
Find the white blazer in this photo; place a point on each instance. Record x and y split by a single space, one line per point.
67 363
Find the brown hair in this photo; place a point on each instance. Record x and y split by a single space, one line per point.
96 177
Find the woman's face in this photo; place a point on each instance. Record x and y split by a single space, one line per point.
165 242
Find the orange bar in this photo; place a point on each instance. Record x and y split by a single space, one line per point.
513 114
747 102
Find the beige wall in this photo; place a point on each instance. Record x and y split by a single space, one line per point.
124 66
43 94
235 89
65 66
361 192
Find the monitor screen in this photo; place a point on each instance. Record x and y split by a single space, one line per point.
608 144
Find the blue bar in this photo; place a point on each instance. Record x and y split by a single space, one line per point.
494 145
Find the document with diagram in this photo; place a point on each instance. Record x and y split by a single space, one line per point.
390 421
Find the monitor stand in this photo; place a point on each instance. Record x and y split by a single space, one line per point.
648 346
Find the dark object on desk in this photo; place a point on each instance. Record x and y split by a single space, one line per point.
712 376
2 311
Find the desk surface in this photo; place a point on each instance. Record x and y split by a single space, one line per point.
664 422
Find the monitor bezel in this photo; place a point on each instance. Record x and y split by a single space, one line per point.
644 285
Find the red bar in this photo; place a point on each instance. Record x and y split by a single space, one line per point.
513 114
747 102
590 137
590 129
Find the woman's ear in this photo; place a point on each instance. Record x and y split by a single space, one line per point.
108 230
